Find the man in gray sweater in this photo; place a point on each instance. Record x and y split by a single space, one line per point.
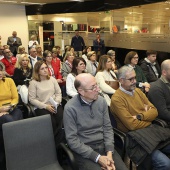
88 130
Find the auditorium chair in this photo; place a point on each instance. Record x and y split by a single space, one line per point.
29 145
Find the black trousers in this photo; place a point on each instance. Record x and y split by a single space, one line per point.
57 122
87 164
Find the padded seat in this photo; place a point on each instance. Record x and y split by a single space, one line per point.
29 144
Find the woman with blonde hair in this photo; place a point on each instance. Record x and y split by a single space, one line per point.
67 64
21 50
106 78
55 59
92 64
39 51
23 70
45 95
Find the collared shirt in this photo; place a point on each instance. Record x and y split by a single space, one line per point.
153 67
131 66
86 101
1 57
33 60
127 92
165 81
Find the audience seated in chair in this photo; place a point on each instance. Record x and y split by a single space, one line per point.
9 61
8 109
67 64
105 77
133 112
92 64
23 71
79 66
45 95
131 60
150 66
33 148
88 130
54 71
159 93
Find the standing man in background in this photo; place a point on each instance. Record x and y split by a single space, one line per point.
99 46
77 43
14 42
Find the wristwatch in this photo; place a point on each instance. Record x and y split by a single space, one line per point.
139 117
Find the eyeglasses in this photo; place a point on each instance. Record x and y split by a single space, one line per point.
49 56
131 79
8 52
94 88
135 58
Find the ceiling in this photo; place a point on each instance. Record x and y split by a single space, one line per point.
33 2
150 13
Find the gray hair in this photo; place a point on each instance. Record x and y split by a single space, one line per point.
110 52
77 84
123 71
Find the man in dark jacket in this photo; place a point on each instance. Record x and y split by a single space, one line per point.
150 66
77 43
99 46
159 93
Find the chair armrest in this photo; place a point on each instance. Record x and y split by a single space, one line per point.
31 109
160 122
120 138
63 149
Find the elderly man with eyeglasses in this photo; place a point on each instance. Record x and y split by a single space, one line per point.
134 114
33 57
88 129
9 62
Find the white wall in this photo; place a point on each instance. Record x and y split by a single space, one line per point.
13 18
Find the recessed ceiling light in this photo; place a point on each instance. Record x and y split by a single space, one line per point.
166 8
33 3
8 1
78 0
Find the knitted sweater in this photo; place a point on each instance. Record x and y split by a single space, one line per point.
124 106
87 125
8 92
40 92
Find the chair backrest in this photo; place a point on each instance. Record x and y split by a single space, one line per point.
29 144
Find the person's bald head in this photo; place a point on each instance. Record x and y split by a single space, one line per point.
82 80
165 67
87 87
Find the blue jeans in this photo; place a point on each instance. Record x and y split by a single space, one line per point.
159 160
16 114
